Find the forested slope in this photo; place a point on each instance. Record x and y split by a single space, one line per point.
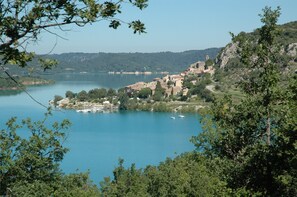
154 62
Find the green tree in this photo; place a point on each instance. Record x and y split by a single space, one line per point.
159 92
144 93
207 95
197 89
93 94
257 137
208 63
97 93
56 99
82 96
69 94
124 101
76 185
32 158
102 93
219 75
186 175
121 90
126 182
111 92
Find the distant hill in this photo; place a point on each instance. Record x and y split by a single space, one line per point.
154 62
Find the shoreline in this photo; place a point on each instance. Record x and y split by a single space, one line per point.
107 107
136 73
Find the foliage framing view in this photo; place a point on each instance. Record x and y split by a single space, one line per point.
22 21
32 165
246 149
257 138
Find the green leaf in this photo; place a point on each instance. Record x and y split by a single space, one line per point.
114 24
137 26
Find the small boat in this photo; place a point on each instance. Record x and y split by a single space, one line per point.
181 116
172 117
86 111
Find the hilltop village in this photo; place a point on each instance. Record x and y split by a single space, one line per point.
146 96
173 84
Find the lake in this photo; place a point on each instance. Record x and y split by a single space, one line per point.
97 141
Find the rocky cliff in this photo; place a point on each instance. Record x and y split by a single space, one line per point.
288 40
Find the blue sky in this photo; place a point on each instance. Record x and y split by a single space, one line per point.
172 25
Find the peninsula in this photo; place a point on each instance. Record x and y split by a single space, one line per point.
169 93
7 83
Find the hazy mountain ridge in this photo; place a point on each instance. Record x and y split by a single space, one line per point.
154 62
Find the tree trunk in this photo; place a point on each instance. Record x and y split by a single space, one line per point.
268 132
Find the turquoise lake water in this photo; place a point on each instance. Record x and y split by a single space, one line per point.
97 141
